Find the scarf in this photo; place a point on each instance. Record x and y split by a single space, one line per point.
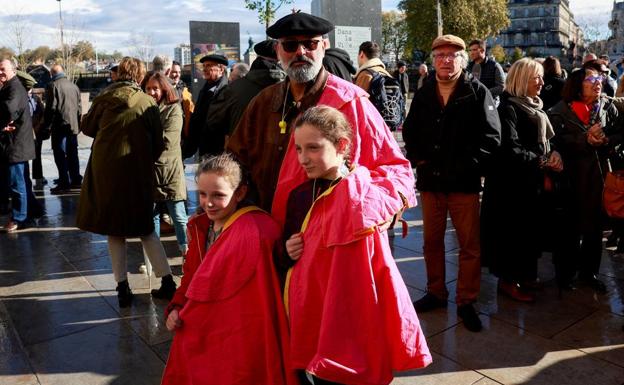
533 108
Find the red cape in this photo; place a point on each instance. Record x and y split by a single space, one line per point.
234 327
351 317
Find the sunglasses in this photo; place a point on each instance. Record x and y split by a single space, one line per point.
293 45
593 79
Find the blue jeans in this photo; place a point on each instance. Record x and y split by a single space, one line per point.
21 192
177 212
65 150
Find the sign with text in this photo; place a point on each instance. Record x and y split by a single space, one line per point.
350 38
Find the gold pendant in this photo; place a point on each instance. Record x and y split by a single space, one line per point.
282 125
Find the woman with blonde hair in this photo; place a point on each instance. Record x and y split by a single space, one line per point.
514 186
117 197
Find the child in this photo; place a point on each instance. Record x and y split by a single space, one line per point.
351 317
229 321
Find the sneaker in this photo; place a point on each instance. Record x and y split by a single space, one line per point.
514 291
10 227
470 317
124 294
167 288
429 302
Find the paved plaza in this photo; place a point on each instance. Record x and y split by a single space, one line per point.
60 323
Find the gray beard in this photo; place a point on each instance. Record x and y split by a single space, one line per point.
304 74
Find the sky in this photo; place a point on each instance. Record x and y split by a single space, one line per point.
110 24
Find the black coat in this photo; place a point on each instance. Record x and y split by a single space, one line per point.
229 104
200 137
18 145
338 62
511 211
583 164
551 92
449 146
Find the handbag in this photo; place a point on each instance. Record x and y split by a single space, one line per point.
613 194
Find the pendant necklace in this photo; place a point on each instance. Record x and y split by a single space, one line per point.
282 124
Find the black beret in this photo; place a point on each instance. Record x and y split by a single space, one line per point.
299 24
266 48
219 59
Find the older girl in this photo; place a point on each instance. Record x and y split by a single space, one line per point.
351 317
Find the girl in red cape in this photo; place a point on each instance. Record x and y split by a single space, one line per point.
351 318
229 321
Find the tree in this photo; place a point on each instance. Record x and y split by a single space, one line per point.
141 45
468 19
39 54
83 50
499 53
18 31
266 9
516 55
394 34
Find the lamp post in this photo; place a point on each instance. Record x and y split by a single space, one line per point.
439 14
61 28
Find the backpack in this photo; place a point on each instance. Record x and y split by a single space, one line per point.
385 94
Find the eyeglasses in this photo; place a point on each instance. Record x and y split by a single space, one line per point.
593 79
293 45
446 56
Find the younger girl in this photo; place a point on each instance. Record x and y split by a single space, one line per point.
351 317
229 321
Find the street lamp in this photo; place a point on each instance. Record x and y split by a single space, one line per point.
61 28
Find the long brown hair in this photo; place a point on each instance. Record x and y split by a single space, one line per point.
169 95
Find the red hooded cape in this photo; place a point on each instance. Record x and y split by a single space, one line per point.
234 329
351 317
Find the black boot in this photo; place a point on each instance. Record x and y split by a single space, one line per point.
124 294
167 288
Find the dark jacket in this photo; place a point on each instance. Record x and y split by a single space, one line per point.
200 138
510 209
551 91
63 107
338 62
117 196
19 144
449 146
403 80
229 104
492 76
584 164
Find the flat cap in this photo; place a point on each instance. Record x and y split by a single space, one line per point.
219 59
299 23
448 40
266 48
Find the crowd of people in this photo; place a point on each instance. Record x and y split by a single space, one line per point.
288 273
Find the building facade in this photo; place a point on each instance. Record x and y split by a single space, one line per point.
182 54
542 28
616 41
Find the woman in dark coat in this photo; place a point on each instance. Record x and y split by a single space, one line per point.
586 128
117 197
553 82
514 186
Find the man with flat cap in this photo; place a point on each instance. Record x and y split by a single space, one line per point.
263 142
450 133
200 138
229 105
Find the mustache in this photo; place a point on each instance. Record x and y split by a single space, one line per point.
301 58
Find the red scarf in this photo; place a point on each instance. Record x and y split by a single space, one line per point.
581 110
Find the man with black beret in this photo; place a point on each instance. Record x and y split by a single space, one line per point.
263 142
200 137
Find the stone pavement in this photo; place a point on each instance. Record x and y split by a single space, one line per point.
60 324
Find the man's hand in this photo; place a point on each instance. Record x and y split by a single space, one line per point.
554 162
9 128
294 246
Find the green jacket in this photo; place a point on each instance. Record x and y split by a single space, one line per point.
117 196
170 184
